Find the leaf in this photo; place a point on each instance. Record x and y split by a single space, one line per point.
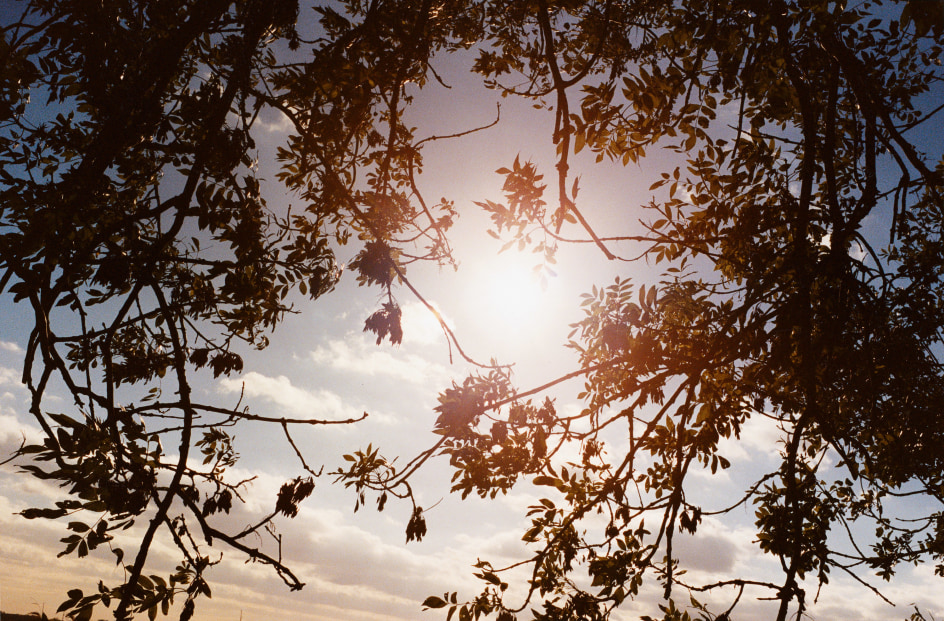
434 602
416 528
704 413
85 614
386 323
489 576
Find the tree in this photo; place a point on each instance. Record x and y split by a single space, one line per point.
799 238
135 229
800 242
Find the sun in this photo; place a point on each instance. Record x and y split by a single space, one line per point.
505 304
513 295
506 301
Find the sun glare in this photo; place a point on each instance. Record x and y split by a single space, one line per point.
514 296
507 300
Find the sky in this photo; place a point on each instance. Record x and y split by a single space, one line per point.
320 363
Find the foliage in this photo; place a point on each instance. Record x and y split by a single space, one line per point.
798 234
134 227
799 243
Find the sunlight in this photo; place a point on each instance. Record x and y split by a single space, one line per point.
513 295
506 298
421 326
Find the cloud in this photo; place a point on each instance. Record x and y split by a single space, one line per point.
11 347
714 547
8 376
290 400
13 432
272 124
760 439
354 567
421 326
358 359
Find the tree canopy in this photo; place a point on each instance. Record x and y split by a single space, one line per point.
797 234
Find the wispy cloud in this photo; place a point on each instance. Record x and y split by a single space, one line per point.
289 399
275 124
358 357
9 377
11 347
760 439
12 432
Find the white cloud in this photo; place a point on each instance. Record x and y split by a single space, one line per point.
290 400
11 347
350 571
340 355
421 326
8 376
857 250
760 438
279 125
12 432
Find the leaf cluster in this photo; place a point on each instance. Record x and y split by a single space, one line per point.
796 231
135 227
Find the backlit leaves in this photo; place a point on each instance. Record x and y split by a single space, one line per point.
791 241
794 263
292 493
